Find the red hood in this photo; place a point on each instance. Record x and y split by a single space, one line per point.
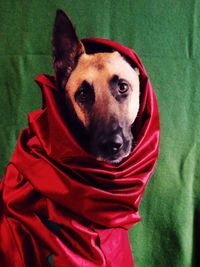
52 179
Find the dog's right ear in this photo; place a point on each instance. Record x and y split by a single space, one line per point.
67 48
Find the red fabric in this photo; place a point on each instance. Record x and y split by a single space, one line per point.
56 200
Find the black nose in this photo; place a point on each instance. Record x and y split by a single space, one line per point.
116 143
113 144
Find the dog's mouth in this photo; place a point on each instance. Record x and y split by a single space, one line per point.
113 159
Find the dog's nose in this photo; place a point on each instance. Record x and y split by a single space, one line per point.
113 144
116 143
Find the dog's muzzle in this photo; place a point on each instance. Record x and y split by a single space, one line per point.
111 143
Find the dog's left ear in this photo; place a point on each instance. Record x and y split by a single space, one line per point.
67 48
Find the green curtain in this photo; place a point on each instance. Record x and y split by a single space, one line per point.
166 35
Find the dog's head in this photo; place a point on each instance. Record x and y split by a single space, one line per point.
102 93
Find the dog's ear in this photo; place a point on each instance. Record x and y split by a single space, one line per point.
67 47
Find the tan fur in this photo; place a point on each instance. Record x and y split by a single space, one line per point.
98 69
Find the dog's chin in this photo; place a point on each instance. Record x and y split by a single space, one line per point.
114 159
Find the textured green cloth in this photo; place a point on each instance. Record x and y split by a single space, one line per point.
166 35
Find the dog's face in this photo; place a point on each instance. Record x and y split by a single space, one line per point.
102 93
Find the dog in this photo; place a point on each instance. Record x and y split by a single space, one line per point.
101 90
59 204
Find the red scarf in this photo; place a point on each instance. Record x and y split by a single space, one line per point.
60 206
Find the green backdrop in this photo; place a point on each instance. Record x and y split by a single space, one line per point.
166 35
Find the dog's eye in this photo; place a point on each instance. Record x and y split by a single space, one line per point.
84 92
82 95
123 87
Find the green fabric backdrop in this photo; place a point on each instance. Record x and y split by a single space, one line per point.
166 35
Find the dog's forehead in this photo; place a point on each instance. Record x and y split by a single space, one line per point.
102 65
100 61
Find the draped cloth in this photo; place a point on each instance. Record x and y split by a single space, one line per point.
59 206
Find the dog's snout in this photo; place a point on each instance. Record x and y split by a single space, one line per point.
116 143
111 141
112 145
114 126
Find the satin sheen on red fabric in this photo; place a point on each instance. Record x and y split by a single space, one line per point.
62 207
